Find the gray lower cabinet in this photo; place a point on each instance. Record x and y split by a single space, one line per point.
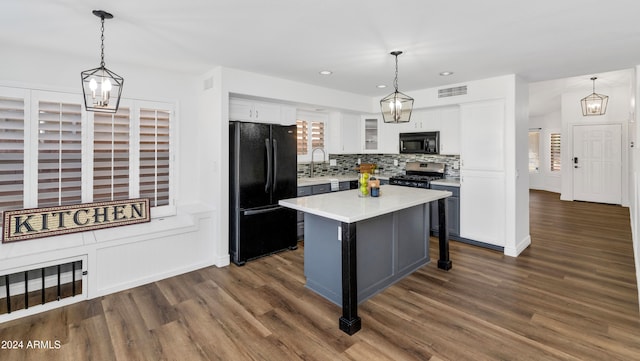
453 214
319 189
390 247
302 192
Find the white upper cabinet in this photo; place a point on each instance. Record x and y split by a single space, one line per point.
422 120
350 134
450 130
482 176
261 112
288 115
378 136
482 136
370 134
344 133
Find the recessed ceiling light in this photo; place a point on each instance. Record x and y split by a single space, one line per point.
381 86
326 72
446 73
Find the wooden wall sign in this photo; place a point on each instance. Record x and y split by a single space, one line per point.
20 225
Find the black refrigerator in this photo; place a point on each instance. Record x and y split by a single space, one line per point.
262 170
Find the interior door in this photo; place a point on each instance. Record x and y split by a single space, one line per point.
597 163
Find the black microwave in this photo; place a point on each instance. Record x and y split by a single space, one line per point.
423 142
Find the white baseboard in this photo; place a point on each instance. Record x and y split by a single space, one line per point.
520 246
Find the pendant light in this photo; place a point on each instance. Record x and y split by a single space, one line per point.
396 107
100 86
594 104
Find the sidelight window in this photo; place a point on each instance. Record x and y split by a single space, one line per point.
555 152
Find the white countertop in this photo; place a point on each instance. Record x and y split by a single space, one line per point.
451 182
347 207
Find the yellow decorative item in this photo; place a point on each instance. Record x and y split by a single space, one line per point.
364 185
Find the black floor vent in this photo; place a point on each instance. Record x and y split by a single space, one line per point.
38 286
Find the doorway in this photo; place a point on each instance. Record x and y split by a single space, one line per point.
597 163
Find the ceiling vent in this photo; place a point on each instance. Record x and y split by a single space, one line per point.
452 92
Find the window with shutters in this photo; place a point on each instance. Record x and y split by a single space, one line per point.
59 153
311 129
555 152
154 155
317 135
111 152
302 132
53 152
12 134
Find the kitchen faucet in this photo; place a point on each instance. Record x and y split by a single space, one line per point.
312 165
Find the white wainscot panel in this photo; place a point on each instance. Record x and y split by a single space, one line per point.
188 244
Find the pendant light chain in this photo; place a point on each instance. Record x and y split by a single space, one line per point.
102 42
395 81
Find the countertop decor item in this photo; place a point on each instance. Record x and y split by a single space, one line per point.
396 107
101 87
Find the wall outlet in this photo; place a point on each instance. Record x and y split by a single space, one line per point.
333 162
395 162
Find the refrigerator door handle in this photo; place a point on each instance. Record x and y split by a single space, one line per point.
267 184
261 211
275 164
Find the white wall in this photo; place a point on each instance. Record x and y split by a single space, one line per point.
517 170
634 204
571 114
128 256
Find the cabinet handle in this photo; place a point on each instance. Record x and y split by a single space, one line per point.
257 114
250 113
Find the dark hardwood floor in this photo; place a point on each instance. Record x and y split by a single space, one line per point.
571 295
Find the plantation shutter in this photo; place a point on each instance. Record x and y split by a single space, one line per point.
302 136
555 152
111 155
154 156
12 118
59 153
317 135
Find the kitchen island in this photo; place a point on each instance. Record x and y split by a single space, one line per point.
392 237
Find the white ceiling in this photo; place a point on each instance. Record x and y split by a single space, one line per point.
295 39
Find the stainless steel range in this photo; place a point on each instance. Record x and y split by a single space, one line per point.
419 174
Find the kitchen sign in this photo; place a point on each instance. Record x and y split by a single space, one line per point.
20 225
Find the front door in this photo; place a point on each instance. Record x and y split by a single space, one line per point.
597 163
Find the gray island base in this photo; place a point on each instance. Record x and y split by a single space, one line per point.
357 247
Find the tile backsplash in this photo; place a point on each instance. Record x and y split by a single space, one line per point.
347 163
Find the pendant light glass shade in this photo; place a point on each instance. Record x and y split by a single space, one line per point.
396 107
101 87
594 104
